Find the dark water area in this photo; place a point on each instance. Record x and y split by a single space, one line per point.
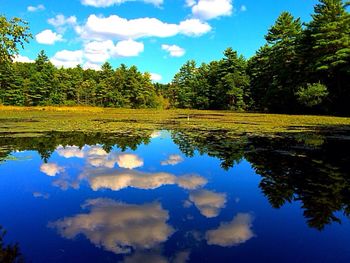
175 196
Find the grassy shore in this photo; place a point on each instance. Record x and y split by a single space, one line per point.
14 120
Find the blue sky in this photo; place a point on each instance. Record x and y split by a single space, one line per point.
157 36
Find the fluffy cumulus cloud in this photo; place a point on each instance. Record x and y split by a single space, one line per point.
70 151
194 27
209 9
98 157
35 8
67 59
95 53
90 65
115 27
118 180
48 37
129 161
98 51
107 3
51 169
173 159
105 178
208 203
155 78
174 50
128 48
232 233
118 227
23 59
191 181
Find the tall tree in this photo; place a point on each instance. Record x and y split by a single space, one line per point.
275 68
183 84
329 34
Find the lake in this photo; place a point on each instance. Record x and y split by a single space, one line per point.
176 196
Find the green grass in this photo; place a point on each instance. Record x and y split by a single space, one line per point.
14 120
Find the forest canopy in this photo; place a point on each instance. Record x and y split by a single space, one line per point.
302 68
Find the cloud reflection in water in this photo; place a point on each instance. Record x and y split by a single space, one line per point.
118 227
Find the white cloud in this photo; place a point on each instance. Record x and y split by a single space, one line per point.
22 59
48 37
107 3
208 203
107 161
191 181
155 78
106 178
60 22
173 159
173 50
115 27
35 8
98 51
98 157
209 9
190 3
67 59
97 150
70 151
51 169
90 65
118 227
118 180
194 27
243 8
232 233
129 161
128 48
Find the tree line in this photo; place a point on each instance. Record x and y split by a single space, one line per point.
302 68
41 83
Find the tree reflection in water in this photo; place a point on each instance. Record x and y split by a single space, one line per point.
309 168
9 253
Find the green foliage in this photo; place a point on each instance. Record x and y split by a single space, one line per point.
221 84
329 46
312 95
9 253
13 33
296 55
274 69
275 79
40 84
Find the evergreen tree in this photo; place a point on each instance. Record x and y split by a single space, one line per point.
329 35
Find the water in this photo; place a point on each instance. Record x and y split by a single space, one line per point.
180 196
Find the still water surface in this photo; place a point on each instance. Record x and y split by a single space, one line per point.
176 196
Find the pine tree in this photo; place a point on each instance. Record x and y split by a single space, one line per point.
329 34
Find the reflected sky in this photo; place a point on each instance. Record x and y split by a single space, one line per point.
163 196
